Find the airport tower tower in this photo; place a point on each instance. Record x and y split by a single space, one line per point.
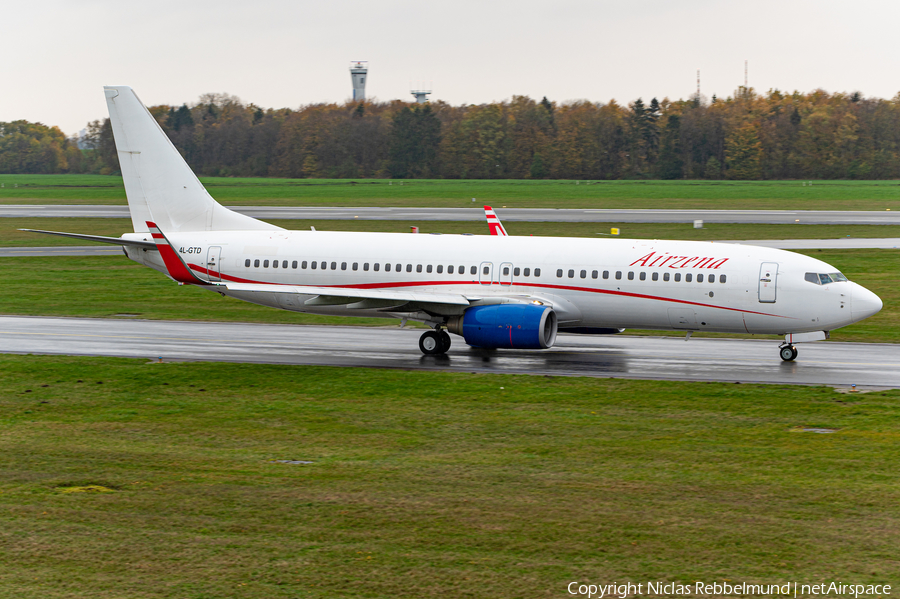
358 71
421 95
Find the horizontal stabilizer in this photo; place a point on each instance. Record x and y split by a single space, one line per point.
148 245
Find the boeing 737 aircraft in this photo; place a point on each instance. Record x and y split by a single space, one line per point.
495 291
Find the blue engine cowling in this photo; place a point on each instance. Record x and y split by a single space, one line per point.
517 326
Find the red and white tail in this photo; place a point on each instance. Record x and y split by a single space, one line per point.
177 268
494 223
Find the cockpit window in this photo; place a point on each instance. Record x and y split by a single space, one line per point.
822 278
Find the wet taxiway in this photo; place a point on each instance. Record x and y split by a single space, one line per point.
784 244
669 358
807 217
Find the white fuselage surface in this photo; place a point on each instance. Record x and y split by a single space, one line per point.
603 284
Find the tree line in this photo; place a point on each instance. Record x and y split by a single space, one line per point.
816 135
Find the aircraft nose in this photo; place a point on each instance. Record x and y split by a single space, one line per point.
864 303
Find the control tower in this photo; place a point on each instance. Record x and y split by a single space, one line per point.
358 71
421 95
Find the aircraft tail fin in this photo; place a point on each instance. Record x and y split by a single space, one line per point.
494 224
160 185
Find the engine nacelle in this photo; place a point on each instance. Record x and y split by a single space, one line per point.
517 326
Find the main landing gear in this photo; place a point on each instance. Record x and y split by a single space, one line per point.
788 352
434 342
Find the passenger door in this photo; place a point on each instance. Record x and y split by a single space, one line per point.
213 259
506 274
485 273
768 278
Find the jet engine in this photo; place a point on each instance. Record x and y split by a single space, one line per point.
517 326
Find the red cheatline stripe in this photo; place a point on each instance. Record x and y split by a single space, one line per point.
398 284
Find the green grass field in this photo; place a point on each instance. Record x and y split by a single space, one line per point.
113 286
10 236
769 195
123 478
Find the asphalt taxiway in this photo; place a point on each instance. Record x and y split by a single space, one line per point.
784 244
807 217
666 358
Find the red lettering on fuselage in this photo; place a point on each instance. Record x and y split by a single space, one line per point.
679 261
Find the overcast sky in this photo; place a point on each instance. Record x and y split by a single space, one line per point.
56 55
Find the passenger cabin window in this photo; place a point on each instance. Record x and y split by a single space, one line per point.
594 274
356 266
265 264
721 278
334 266
487 270
677 276
516 271
700 278
630 275
256 263
294 265
450 270
324 265
284 264
605 274
428 268
688 277
247 262
571 273
655 276
537 272
387 267
559 272
462 270
473 270
409 268
505 270
343 266
526 272
365 266
376 266
274 263
418 268
398 267
440 268
643 276
583 274
665 276
303 265
618 275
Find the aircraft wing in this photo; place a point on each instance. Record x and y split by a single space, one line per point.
352 297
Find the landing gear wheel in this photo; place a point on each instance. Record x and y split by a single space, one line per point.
431 344
445 341
788 353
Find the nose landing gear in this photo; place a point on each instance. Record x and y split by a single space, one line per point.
788 352
434 342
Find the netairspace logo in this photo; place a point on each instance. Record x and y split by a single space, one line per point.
700 588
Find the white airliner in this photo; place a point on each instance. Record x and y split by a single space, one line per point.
495 291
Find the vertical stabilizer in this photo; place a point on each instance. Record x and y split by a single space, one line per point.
160 186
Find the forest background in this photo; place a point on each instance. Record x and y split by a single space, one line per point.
747 136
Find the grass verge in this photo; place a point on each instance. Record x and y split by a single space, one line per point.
10 236
744 195
123 478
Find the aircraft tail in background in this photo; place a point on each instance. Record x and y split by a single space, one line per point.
494 223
